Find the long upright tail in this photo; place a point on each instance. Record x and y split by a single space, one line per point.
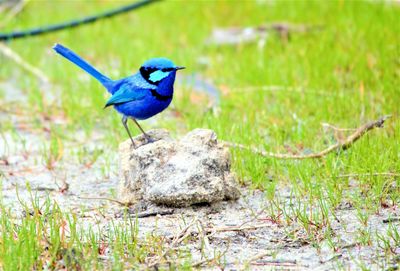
74 58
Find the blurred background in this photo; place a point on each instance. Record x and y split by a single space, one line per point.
291 77
262 73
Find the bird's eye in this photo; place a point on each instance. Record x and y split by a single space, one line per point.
154 75
146 71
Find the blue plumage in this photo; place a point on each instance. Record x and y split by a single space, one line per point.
139 96
71 56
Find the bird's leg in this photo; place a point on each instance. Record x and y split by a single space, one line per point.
124 122
149 139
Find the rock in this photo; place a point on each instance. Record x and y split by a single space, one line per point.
192 170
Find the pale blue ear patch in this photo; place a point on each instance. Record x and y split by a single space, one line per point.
158 76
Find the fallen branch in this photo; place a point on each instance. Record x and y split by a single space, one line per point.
236 228
25 65
108 199
343 145
154 213
338 129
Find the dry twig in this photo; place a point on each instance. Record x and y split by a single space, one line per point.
344 145
278 263
155 213
260 256
13 12
109 199
236 228
178 238
333 127
18 59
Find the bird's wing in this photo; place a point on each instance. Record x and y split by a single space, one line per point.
127 93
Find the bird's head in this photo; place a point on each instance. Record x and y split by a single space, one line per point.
157 69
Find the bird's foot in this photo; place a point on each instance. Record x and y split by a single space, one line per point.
149 139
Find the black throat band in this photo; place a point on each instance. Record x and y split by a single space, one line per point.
159 96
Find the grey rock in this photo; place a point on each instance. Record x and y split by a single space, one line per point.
192 170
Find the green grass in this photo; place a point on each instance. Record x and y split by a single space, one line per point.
347 73
46 237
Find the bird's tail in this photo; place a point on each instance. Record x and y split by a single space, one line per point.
74 58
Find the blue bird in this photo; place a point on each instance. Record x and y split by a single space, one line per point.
139 96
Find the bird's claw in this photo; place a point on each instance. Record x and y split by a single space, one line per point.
149 139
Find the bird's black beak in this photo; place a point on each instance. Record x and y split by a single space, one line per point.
179 68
